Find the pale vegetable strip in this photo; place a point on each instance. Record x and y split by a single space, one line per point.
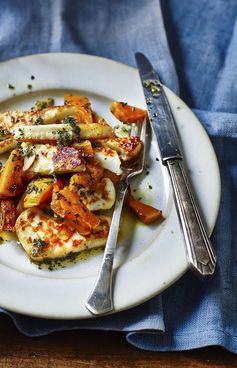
46 116
39 133
54 132
57 113
127 148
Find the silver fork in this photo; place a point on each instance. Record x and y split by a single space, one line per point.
101 299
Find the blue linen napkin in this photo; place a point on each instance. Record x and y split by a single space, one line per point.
200 62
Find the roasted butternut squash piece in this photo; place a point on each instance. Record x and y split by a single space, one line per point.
55 204
66 204
76 213
11 176
20 205
112 176
126 113
38 191
8 215
79 180
96 171
84 114
144 212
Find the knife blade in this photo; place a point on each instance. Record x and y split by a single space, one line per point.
200 254
159 110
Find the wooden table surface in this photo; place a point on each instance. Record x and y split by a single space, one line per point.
96 349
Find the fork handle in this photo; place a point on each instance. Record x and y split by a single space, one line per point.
101 300
199 249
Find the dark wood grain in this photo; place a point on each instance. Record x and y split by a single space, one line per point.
96 349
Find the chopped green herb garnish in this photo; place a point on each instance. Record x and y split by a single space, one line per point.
21 131
123 103
3 132
12 188
75 128
28 152
64 138
44 103
87 106
38 245
48 211
39 121
153 86
10 86
33 188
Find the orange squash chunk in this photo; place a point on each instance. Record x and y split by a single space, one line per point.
66 204
79 180
144 212
55 203
11 176
86 178
76 213
38 191
112 176
126 113
96 171
20 205
84 114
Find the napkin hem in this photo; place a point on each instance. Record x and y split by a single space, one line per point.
181 342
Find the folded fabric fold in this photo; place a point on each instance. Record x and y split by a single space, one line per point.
147 316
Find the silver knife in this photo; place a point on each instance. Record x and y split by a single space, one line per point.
199 250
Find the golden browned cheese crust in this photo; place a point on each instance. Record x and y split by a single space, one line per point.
44 237
127 148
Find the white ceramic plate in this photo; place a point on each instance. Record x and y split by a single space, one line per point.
148 258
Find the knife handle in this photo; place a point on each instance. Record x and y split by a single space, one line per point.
199 250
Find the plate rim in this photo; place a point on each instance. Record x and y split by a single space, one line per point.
102 59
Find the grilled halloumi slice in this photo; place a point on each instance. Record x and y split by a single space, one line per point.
60 132
127 148
108 159
101 198
122 130
57 113
7 145
85 148
49 115
45 159
4 133
43 237
38 133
